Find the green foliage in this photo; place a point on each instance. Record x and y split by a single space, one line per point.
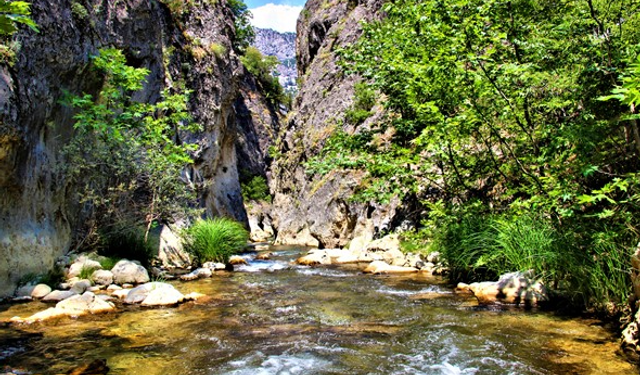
256 189
365 99
263 68
242 21
128 154
86 272
492 114
54 277
218 50
108 263
215 240
13 12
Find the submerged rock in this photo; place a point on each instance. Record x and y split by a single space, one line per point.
58 295
200 273
380 267
264 256
237 260
76 305
318 257
511 288
126 271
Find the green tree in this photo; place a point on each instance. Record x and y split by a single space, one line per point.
263 68
242 21
13 12
492 109
129 154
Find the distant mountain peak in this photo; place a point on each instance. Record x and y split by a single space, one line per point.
283 46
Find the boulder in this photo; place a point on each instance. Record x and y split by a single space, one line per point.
113 288
237 260
82 263
318 257
126 271
387 243
380 267
86 303
102 277
171 252
359 243
80 286
58 295
163 297
512 288
215 266
163 294
25 290
40 291
200 273
414 260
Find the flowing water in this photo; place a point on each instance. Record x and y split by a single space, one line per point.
274 318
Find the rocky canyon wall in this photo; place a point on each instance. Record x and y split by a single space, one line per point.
318 210
39 210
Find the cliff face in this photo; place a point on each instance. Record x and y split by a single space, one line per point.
283 46
39 213
315 210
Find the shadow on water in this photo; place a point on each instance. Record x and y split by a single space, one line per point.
272 317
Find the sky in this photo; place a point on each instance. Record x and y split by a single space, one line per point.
280 15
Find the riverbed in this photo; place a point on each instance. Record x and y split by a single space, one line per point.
272 317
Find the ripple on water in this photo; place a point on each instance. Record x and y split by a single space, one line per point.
284 364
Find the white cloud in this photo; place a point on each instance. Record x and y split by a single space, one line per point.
281 18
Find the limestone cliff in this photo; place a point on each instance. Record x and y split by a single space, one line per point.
39 213
316 210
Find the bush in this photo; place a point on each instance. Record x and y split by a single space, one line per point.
215 240
591 269
125 241
256 190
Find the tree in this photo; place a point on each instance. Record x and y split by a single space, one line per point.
12 12
129 155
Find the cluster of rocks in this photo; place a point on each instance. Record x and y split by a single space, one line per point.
127 282
209 268
382 256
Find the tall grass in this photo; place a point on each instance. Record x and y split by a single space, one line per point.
590 268
215 240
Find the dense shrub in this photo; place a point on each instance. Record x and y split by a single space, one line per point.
125 241
256 189
215 240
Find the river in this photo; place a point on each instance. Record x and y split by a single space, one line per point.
271 317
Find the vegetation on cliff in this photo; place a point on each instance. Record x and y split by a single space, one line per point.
128 155
498 124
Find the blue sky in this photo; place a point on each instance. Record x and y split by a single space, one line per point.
279 15
257 3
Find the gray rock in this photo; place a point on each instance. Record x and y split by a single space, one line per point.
102 277
80 286
25 290
58 295
86 303
200 273
40 291
126 271
113 287
215 266
171 252
163 297
140 293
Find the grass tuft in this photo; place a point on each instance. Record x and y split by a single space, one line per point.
216 240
